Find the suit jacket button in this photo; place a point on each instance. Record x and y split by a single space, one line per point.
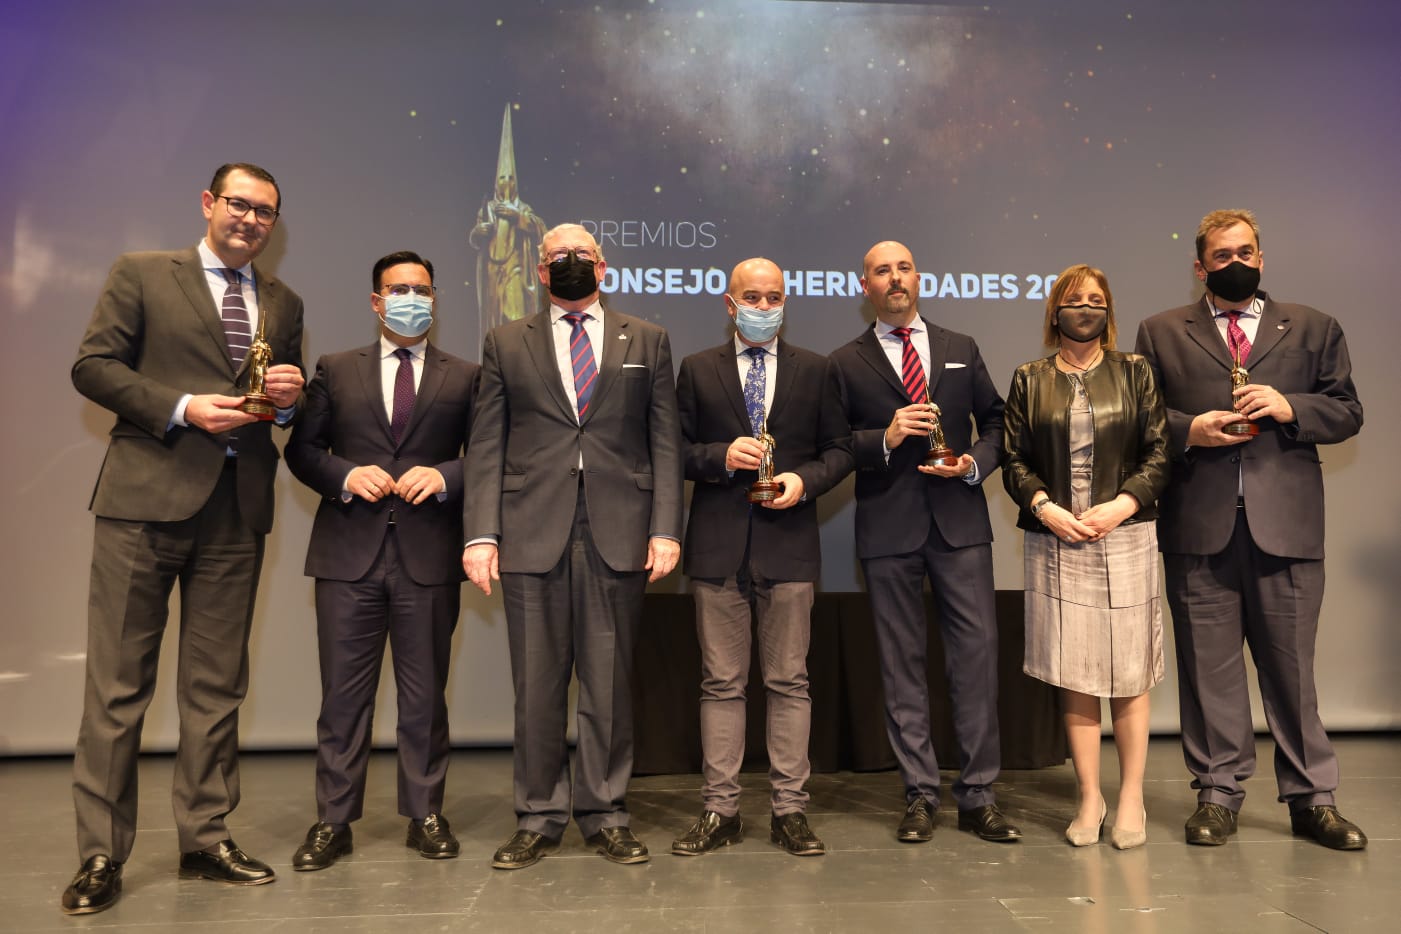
573 471
1235 458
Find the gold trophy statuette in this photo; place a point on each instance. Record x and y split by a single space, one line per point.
256 401
939 451
765 490
1239 377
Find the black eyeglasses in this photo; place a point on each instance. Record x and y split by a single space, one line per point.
240 208
422 291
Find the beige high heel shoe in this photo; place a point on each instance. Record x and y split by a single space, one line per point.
1086 836
1128 839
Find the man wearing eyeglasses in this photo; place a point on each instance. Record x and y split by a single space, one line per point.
381 441
573 502
185 496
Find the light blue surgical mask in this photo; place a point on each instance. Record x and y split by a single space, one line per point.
408 315
755 325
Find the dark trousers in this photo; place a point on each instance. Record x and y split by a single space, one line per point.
215 558
579 616
961 581
353 621
1271 604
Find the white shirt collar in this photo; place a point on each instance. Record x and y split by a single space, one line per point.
211 261
387 347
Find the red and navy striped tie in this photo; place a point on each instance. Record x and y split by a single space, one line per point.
911 370
581 356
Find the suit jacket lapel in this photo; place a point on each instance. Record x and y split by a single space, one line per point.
785 368
868 345
1202 329
539 343
429 385
369 367
609 359
727 372
1273 326
938 353
189 275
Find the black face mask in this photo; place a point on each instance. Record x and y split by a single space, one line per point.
1234 282
572 278
1082 323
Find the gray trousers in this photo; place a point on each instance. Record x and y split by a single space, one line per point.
583 616
1270 604
215 558
723 625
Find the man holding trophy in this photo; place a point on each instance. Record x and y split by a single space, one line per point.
763 435
912 393
1251 387
185 496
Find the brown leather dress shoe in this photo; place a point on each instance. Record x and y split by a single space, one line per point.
1323 824
619 845
917 826
1210 825
710 832
525 848
322 847
225 862
989 823
96 886
791 831
432 838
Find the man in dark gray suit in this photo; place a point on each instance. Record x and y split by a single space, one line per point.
381 440
915 519
765 555
1241 527
573 501
185 496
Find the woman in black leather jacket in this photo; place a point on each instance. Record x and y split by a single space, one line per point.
1086 440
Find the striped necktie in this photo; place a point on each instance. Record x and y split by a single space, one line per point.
237 330
581 360
911 370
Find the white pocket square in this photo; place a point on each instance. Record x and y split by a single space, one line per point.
954 366
643 366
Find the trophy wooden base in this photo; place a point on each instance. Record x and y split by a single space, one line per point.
764 491
259 405
1242 429
942 457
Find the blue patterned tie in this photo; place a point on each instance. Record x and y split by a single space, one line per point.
754 389
581 357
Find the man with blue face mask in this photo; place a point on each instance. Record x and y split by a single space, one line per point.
744 557
382 441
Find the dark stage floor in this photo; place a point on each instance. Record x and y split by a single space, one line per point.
1263 880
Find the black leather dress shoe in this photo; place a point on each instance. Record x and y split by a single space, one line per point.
791 831
1323 824
322 847
95 887
989 823
917 826
225 862
709 832
618 845
432 838
525 848
1210 825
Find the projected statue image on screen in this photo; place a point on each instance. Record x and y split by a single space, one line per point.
505 236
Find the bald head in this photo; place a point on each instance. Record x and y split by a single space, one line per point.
891 282
756 284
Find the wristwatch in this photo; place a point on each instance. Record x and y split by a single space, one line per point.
1036 508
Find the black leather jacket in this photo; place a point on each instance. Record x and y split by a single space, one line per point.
1130 448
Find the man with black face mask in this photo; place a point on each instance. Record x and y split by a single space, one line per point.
573 501
1241 527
